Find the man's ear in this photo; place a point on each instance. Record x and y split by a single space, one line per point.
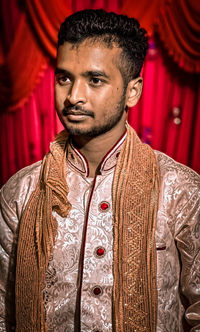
134 90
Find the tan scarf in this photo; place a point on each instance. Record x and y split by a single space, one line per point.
135 201
135 205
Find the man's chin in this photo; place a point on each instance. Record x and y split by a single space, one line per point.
77 131
86 132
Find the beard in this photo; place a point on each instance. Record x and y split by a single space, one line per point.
109 123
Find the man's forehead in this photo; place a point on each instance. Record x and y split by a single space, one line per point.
88 52
89 44
99 41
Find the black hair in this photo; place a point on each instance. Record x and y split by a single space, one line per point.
113 30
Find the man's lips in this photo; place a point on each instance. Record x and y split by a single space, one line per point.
76 116
77 113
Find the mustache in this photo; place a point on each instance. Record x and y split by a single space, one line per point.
77 110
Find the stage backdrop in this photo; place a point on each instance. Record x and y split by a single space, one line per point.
168 114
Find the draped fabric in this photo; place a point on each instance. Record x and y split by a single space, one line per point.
34 43
177 23
168 115
26 133
145 11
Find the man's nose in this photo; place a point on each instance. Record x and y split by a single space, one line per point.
77 93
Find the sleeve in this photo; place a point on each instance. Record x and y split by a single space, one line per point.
188 243
8 223
13 198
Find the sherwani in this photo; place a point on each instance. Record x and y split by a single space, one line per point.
79 277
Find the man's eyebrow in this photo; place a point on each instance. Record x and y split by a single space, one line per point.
61 71
88 73
95 73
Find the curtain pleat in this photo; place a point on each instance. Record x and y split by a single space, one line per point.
178 25
21 70
145 11
45 18
167 116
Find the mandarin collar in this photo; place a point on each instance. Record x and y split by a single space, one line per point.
79 163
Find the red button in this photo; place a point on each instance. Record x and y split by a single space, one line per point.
104 206
97 291
100 251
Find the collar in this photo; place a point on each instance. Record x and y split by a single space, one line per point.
79 163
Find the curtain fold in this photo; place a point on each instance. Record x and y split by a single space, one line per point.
168 114
178 25
45 18
145 11
26 133
33 46
22 68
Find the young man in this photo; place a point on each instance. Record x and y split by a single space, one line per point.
103 234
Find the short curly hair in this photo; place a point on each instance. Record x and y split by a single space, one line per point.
113 30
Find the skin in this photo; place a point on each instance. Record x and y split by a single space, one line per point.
91 98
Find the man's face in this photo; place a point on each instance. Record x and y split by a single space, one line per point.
89 89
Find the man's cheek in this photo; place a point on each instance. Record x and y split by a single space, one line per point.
59 102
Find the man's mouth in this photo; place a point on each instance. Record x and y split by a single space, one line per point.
77 113
74 113
76 116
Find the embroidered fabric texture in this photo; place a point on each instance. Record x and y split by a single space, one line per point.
177 226
135 204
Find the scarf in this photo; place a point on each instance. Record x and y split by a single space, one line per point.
135 203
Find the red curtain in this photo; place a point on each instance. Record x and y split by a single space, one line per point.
177 23
168 114
145 11
33 45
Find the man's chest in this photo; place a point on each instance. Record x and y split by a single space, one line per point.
79 277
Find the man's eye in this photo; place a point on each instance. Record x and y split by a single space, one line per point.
63 80
96 81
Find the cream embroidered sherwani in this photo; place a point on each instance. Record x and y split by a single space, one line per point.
79 277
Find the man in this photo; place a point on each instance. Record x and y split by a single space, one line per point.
103 234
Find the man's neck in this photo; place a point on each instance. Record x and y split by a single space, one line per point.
94 149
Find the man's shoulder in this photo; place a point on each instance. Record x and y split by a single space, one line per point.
19 187
175 173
